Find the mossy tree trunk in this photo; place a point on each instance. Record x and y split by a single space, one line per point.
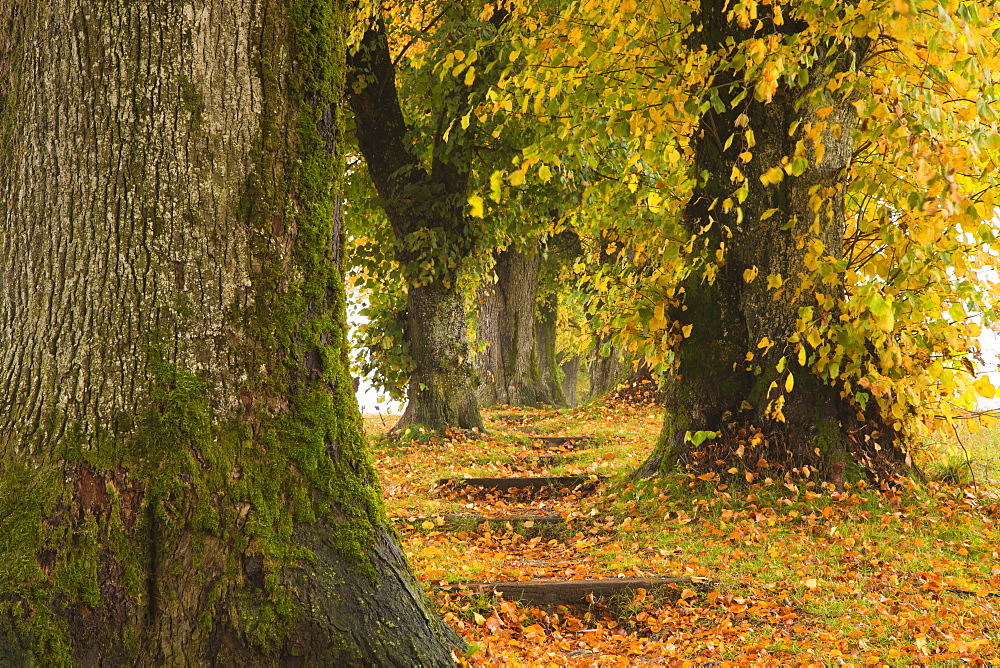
425 205
183 477
715 387
510 369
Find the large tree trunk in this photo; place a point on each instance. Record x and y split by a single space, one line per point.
715 387
511 367
183 477
517 368
425 205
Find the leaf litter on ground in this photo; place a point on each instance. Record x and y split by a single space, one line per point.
800 574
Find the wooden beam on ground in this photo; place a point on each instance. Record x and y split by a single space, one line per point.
544 460
526 525
479 519
583 482
561 441
575 592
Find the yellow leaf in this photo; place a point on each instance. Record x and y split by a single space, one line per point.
476 202
824 112
480 620
544 173
654 199
686 330
470 75
745 156
984 387
773 175
517 178
802 355
659 319
765 343
789 382
811 583
750 274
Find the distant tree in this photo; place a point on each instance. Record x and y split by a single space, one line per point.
430 221
421 168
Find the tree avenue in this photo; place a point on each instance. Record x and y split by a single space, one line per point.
183 477
814 185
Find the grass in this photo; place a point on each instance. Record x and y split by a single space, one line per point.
798 574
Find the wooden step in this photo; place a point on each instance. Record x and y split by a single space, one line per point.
545 460
584 482
574 592
528 458
528 525
572 442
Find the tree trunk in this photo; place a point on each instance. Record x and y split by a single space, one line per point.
607 367
517 368
546 319
440 392
571 378
715 387
510 367
183 477
425 205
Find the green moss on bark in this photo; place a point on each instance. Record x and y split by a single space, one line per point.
297 454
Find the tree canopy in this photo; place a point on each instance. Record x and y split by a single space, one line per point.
890 318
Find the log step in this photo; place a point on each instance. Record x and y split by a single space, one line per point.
574 592
529 459
479 519
561 441
584 482
545 460
529 525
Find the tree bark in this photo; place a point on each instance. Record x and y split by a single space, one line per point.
183 476
425 206
571 378
715 388
508 368
517 368
546 322
606 370
441 392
